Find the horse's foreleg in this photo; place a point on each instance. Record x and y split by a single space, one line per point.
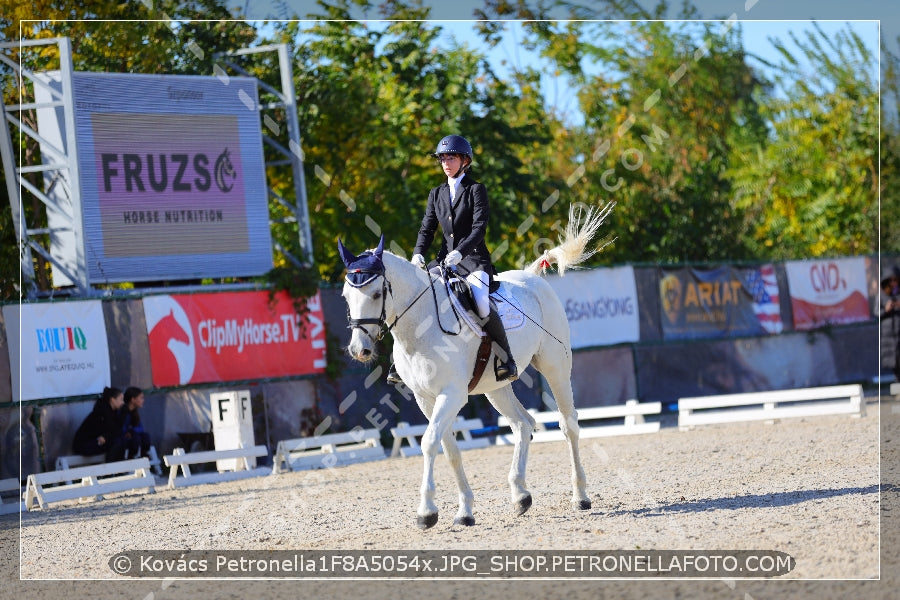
446 407
522 425
466 499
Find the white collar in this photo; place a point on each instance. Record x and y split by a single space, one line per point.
454 181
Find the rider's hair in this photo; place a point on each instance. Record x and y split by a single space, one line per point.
110 393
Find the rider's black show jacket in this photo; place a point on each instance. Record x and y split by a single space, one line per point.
463 223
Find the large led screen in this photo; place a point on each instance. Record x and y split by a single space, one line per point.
172 177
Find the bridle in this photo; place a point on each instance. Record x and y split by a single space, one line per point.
381 321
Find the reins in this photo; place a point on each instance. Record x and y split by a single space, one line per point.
381 321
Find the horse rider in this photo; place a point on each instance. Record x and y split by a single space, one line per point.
460 206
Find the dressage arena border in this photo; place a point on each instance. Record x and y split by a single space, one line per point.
807 486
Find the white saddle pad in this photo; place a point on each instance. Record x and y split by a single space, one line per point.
511 312
508 307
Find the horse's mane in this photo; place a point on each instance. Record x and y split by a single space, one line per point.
573 246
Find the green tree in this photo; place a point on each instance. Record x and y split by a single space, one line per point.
664 106
165 37
373 104
890 151
811 188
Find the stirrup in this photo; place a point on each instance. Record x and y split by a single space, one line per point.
393 376
504 371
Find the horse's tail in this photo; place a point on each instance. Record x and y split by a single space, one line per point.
573 246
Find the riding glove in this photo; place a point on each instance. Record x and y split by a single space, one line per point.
418 260
453 258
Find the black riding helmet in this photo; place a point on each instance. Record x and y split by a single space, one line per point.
455 144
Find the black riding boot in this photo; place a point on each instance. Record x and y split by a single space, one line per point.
504 364
393 376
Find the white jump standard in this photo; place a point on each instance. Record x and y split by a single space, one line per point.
632 412
411 433
329 450
179 459
769 406
93 480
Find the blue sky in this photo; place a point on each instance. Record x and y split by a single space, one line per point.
759 20
887 11
755 34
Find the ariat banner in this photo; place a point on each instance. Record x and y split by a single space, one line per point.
719 302
62 346
232 336
828 292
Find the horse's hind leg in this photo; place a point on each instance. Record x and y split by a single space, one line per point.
522 424
558 376
466 499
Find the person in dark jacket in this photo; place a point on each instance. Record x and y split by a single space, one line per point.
137 441
890 324
460 207
101 430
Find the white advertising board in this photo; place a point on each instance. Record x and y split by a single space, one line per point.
601 305
57 349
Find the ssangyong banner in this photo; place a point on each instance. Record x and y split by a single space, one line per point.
828 292
601 306
232 336
719 302
172 177
62 346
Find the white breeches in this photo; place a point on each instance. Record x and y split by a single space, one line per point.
480 283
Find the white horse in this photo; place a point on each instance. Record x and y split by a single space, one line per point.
385 292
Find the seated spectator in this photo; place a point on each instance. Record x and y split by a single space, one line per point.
101 430
890 324
137 441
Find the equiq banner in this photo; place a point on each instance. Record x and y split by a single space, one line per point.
64 349
232 336
719 302
828 292
601 305
172 177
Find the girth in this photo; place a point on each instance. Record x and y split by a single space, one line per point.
484 353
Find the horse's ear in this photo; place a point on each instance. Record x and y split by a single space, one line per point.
346 255
380 247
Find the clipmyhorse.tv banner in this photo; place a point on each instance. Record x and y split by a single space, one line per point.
64 349
232 336
719 302
828 292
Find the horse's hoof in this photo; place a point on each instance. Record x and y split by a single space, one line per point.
583 505
428 521
467 521
523 505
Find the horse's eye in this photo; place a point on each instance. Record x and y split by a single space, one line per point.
376 295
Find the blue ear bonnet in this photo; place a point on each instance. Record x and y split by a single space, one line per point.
364 268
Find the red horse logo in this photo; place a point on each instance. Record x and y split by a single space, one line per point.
166 334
